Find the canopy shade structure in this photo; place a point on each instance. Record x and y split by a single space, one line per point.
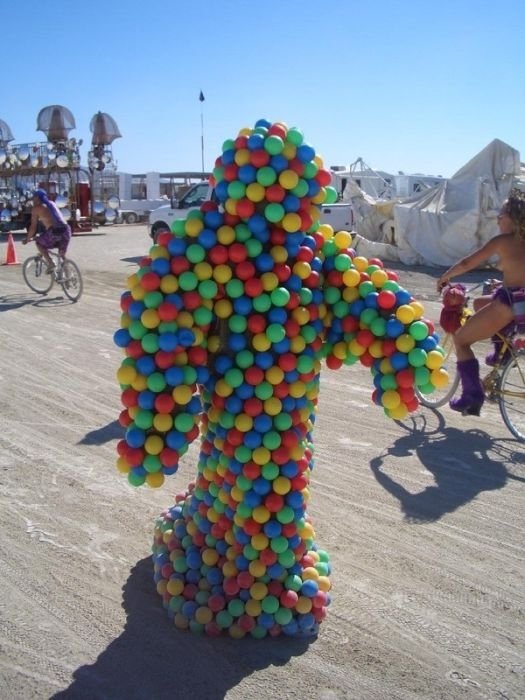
104 129
5 134
56 122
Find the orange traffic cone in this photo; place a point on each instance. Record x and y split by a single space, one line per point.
10 254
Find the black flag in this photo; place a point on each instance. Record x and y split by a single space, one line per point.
201 97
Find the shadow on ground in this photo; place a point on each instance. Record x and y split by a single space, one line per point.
462 462
111 431
151 660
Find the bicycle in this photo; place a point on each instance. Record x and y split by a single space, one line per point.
504 384
65 273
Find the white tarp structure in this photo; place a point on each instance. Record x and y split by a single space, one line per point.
444 223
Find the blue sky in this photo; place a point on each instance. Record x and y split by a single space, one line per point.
411 86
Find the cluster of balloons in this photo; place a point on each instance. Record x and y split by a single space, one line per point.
224 328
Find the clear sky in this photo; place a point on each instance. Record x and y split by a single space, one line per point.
407 86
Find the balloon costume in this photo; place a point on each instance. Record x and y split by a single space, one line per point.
224 328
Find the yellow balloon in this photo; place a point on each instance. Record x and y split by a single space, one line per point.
255 192
291 222
419 309
434 359
406 314
193 227
351 277
379 277
439 378
169 284
288 179
155 480
399 412
154 444
361 263
343 240
390 399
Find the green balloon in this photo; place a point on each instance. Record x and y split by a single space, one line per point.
236 189
234 377
183 422
301 189
234 288
273 144
286 515
263 391
308 333
188 281
275 332
178 227
195 253
190 375
237 323
274 212
286 559
153 299
270 470
157 383
228 145
150 342
203 316
242 233
208 289
378 327
137 330
305 364
332 295
340 309
244 359
388 381
262 303
254 247
310 169
366 288
152 464
418 330
421 376
272 440
279 544
305 296
218 173
266 176
331 195
367 316
270 604
294 136
280 296
342 262
136 479
417 357
143 419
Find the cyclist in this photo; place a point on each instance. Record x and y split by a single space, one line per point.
57 232
495 312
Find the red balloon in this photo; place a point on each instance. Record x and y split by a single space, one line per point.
386 299
259 157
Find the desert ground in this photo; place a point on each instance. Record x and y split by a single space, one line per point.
423 521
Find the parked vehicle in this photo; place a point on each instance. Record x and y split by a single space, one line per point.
162 217
339 215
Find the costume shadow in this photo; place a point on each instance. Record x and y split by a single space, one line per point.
111 431
135 259
461 463
152 660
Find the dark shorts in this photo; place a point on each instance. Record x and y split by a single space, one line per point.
56 237
513 297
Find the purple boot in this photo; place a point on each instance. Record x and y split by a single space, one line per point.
472 396
493 358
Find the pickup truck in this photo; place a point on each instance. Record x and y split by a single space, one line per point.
338 215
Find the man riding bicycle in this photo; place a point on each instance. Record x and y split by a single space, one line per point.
57 233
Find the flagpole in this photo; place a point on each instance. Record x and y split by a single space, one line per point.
201 100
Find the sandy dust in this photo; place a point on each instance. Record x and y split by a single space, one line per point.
423 521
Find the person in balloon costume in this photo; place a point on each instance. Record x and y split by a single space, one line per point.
224 328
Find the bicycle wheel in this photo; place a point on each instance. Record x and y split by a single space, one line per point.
35 275
511 395
71 280
439 397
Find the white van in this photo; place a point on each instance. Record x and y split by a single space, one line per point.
338 215
162 217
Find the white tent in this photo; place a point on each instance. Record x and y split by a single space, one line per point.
444 223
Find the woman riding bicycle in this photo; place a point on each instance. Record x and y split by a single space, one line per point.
495 312
57 233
